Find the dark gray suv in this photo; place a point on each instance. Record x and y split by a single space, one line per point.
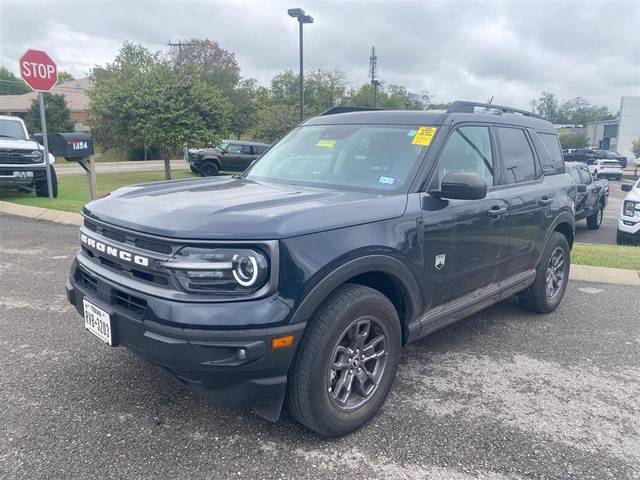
231 155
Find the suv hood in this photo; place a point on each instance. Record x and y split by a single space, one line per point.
226 208
19 144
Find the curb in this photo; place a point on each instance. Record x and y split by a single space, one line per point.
611 276
37 213
579 273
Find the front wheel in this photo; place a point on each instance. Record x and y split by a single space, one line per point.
42 190
209 169
595 220
552 276
346 363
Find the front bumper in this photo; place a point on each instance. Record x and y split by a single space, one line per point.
629 229
234 367
20 176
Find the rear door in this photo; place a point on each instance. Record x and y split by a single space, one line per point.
528 196
464 240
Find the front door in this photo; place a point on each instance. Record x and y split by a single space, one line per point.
464 240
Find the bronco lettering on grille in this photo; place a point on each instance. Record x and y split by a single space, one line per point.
113 251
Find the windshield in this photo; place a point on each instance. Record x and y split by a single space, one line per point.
12 129
371 157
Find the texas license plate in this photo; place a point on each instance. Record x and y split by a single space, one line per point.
97 321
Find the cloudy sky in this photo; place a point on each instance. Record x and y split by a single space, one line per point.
511 50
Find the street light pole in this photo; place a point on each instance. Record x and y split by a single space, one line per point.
302 18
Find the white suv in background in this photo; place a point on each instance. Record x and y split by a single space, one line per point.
606 169
629 221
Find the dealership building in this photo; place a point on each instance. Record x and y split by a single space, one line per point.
619 133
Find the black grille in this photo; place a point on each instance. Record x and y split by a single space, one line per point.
130 302
20 157
129 238
135 304
86 279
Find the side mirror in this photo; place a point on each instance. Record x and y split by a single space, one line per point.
582 188
461 186
626 187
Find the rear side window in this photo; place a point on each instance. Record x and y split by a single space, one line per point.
517 157
246 149
555 160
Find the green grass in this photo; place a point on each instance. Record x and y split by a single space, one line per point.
73 190
612 256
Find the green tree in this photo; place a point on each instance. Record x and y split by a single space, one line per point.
142 99
635 148
10 84
64 76
217 66
244 101
57 115
273 121
546 105
573 141
578 111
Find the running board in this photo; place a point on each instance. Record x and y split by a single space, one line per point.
443 315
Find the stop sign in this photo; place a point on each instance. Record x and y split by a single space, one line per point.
38 70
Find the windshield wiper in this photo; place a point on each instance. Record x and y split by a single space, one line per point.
6 136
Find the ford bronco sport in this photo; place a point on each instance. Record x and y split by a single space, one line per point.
22 165
299 281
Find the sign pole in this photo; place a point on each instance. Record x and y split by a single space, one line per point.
43 123
93 190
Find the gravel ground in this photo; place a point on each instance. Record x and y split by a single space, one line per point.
505 394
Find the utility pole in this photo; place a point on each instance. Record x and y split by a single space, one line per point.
302 18
179 44
373 73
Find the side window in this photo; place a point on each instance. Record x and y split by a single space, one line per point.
234 148
552 144
246 149
585 176
468 149
517 156
575 176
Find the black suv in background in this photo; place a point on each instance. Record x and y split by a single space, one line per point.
584 155
299 281
231 156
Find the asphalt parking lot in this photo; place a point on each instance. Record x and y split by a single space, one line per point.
505 394
606 234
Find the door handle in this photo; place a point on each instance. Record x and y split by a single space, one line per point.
544 201
496 211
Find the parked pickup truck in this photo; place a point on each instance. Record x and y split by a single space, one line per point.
591 197
629 220
299 281
22 165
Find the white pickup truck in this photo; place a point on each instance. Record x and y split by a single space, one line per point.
629 221
22 165
610 169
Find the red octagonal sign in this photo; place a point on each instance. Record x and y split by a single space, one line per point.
38 70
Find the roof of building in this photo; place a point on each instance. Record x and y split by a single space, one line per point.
74 91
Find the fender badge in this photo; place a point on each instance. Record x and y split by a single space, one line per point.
440 259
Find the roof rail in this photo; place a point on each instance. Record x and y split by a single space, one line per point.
339 109
468 107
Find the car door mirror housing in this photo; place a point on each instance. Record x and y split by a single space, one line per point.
582 188
627 187
462 186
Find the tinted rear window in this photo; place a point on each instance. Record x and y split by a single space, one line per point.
554 160
517 157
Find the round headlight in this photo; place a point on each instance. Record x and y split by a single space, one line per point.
245 270
36 155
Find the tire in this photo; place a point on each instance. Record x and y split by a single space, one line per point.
315 395
621 239
595 220
41 186
536 297
209 169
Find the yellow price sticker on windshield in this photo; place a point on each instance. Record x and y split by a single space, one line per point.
424 135
326 143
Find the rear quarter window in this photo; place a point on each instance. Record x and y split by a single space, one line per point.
551 157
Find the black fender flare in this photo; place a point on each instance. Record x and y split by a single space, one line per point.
212 158
386 264
563 217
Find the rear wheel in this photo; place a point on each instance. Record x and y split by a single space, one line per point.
42 190
595 220
346 363
552 276
209 169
